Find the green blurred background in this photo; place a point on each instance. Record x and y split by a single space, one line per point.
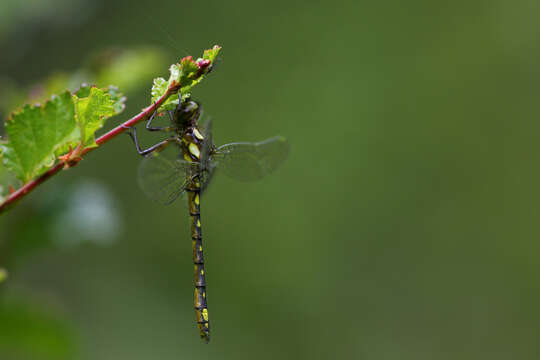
404 224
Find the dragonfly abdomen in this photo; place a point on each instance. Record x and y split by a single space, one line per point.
201 307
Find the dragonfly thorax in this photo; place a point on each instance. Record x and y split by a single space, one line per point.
192 144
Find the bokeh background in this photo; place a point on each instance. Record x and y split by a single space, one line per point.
404 224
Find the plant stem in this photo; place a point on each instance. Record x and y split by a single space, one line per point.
32 184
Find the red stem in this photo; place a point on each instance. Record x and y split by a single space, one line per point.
32 184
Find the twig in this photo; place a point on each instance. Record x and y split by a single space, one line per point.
32 184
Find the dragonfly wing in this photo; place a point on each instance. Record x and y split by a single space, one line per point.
163 175
206 129
245 161
207 168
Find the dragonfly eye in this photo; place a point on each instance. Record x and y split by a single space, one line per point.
190 111
191 107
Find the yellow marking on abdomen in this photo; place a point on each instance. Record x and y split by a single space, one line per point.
196 199
205 314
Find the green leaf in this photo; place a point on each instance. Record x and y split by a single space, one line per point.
3 275
116 96
35 133
83 91
91 113
211 54
184 75
158 89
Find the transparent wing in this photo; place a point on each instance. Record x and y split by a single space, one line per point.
206 129
245 161
207 169
163 175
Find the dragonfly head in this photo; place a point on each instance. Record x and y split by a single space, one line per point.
188 113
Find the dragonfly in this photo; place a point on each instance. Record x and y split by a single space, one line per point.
187 170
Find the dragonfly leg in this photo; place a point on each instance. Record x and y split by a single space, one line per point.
159 145
177 110
151 128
